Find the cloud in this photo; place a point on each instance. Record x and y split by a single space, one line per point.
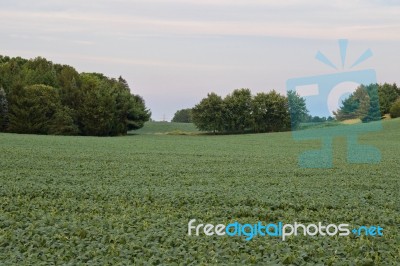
328 28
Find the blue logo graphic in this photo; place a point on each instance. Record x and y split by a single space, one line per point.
323 96
280 229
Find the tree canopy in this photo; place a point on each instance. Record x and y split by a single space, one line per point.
183 116
207 115
39 97
270 112
297 109
366 102
388 94
241 112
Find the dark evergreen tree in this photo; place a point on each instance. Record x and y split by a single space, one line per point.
33 108
357 105
374 113
3 110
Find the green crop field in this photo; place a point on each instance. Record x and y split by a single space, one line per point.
128 200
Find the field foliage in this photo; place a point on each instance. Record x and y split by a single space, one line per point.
127 200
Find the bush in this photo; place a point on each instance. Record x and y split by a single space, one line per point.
395 109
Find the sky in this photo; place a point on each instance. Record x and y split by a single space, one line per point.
174 52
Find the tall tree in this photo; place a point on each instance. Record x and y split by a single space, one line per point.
362 104
131 112
270 112
348 109
237 111
69 83
388 94
297 109
97 108
137 114
33 109
374 111
207 115
3 110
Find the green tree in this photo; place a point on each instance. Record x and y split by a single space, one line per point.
131 112
123 103
395 109
62 123
373 109
362 104
348 109
108 107
388 94
69 83
357 105
39 71
362 96
137 114
11 73
96 112
270 112
297 109
3 110
207 115
183 116
237 111
33 108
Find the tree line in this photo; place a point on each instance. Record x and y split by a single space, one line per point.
40 97
241 111
370 102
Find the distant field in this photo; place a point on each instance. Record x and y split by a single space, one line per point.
127 200
165 128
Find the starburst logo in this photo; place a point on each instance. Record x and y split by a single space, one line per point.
323 95
343 44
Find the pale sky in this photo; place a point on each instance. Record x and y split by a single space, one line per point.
173 52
